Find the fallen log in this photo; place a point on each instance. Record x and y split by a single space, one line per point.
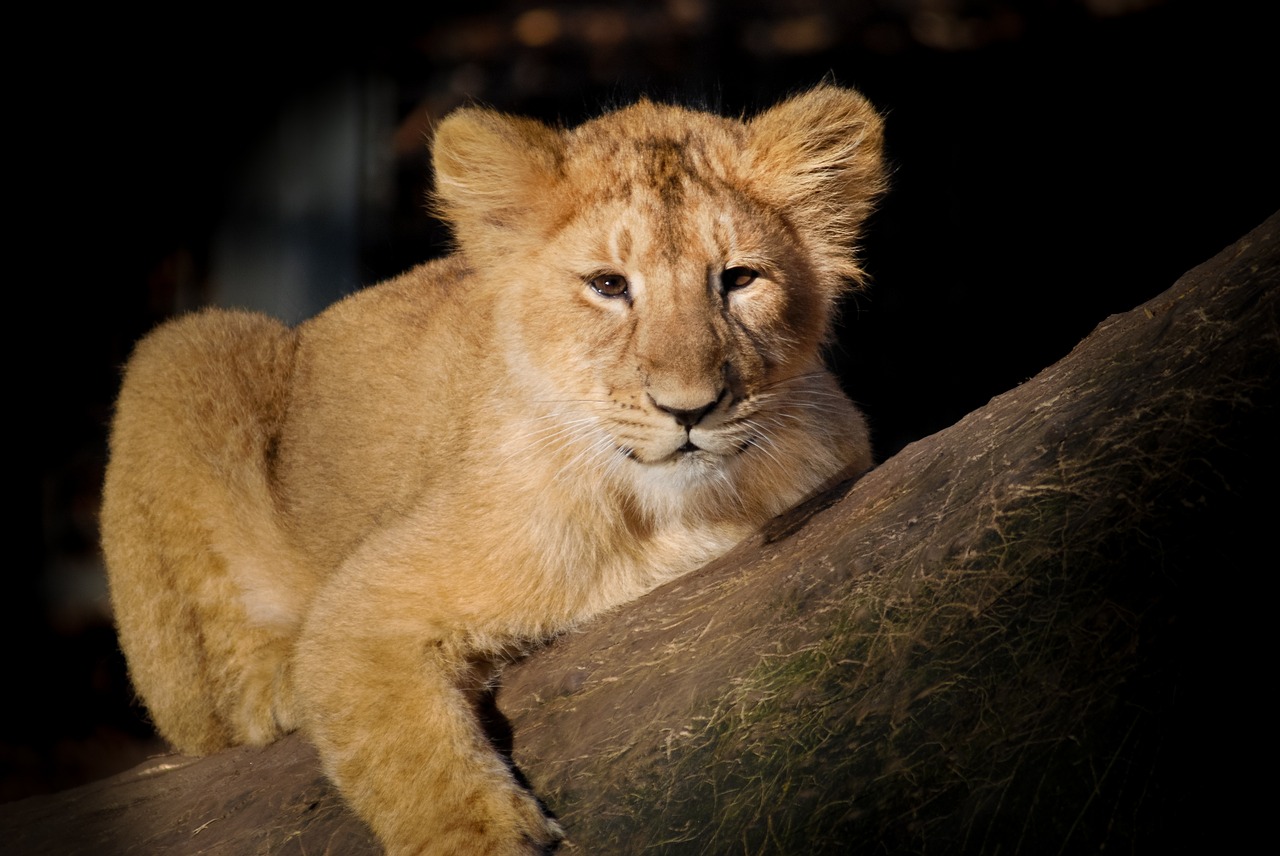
996 641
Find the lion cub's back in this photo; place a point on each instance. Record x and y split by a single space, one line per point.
204 391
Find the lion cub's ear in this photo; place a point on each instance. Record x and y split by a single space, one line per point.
819 157
491 171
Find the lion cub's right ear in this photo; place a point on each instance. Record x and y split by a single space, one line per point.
492 171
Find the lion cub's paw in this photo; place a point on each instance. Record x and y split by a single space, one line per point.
505 822
267 703
548 840
527 830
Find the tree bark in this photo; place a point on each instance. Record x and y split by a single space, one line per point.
994 642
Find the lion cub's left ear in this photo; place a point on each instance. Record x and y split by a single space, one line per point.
819 157
491 171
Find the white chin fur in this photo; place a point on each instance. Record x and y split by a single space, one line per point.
671 487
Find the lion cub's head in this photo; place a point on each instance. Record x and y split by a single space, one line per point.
667 277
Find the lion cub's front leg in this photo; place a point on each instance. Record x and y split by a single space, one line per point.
396 730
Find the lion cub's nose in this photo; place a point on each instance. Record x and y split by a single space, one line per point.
687 417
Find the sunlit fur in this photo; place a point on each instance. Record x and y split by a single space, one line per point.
335 527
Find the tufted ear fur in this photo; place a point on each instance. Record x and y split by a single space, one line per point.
819 157
491 172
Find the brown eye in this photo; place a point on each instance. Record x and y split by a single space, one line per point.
609 285
737 277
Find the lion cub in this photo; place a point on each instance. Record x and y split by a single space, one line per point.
615 378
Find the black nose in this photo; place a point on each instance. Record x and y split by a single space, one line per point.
687 418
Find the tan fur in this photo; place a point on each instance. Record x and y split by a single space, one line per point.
334 527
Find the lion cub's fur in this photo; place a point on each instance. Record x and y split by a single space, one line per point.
330 527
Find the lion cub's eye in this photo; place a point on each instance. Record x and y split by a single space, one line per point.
737 277
609 285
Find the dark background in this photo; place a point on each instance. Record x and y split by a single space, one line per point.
1054 162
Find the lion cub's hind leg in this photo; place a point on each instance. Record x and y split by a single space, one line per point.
186 500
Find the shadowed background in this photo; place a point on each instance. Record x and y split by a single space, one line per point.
1053 162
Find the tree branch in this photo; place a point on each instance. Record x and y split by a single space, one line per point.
989 643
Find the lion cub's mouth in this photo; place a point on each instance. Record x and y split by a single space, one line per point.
688 451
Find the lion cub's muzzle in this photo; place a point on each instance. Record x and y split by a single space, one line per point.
697 429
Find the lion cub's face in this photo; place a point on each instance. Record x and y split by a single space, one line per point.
669 275
679 310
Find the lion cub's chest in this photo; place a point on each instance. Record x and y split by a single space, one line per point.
609 566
